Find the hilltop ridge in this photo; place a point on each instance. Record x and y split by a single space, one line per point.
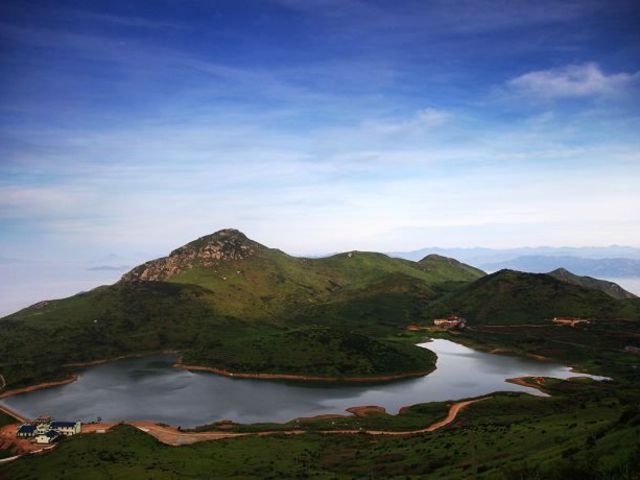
207 251
610 288
212 297
513 297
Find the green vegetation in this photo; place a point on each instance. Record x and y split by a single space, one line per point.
586 430
449 268
227 302
219 295
313 351
213 297
509 297
6 419
415 417
598 348
612 289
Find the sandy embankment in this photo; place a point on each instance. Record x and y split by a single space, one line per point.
367 410
71 378
531 382
312 378
174 437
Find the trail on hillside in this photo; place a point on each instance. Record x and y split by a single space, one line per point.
174 437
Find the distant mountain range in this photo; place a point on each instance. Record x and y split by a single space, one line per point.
613 261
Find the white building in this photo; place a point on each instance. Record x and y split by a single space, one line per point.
66 428
47 437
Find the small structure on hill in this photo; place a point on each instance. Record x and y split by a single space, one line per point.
66 428
451 322
26 431
44 430
571 321
50 436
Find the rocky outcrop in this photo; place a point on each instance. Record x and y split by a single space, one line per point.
208 252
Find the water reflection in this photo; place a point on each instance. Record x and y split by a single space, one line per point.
150 389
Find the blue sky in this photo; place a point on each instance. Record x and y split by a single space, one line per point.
129 128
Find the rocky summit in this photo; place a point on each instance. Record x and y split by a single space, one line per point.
208 252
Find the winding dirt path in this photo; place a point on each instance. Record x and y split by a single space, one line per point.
453 413
174 437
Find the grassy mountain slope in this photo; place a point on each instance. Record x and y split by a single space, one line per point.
610 288
448 268
212 297
510 297
221 287
103 323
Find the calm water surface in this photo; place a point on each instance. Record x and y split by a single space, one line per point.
150 389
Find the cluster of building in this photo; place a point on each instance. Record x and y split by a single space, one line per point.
43 430
571 321
451 322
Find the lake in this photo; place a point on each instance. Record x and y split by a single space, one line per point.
149 388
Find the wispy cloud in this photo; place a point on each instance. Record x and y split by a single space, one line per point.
584 80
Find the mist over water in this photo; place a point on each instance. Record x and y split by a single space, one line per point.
150 389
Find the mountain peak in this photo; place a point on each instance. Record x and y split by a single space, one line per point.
435 262
222 246
610 288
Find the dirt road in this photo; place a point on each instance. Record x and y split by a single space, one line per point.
174 437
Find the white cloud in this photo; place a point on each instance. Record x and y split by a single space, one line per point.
432 117
583 80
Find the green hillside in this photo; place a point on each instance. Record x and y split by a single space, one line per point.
610 288
219 298
315 350
449 268
510 297
212 293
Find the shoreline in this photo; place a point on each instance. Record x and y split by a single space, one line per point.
173 436
537 383
574 368
119 357
12 413
39 386
300 377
